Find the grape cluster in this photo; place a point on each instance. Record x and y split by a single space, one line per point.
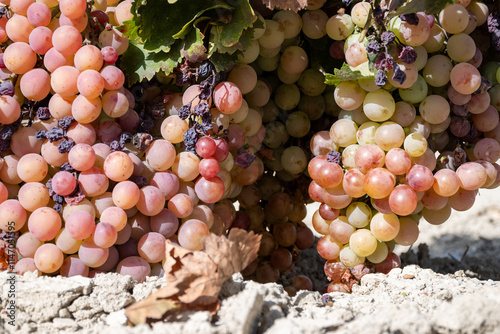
96 177
418 139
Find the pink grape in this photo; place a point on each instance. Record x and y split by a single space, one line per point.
151 201
124 235
432 201
38 14
113 77
111 261
92 255
487 149
27 244
167 182
340 230
108 131
35 84
126 194
369 156
25 265
379 182
328 213
93 181
67 40
191 233
40 40
181 205
73 266
209 190
403 200
73 8
462 200
314 167
53 59
446 182
81 157
105 235
209 167
33 195
227 97
80 23
90 84
391 261
66 243
9 109
222 150
151 247
381 205
336 197
118 166
80 225
109 54
44 223
330 175
420 178
140 225
48 258
315 191
115 216
472 175
82 133
165 223
328 248
134 266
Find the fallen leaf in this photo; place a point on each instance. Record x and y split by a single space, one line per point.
4 258
294 5
194 278
150 308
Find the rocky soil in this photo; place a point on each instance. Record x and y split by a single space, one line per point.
450 283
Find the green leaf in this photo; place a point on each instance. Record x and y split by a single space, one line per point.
215 45
159 22
427 6
345 73
194 50
243 17
138 63
372 58
222 61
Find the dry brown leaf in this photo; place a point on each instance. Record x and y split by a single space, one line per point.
294 5
194 278
150 309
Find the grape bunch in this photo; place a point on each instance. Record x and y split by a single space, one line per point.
416 139
97 177
97 173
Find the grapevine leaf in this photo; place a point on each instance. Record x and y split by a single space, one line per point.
393 4
222 61
372 58
194 278
294 5
243 17
194 50
159 23
151 308
427 6
138 63
345 73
